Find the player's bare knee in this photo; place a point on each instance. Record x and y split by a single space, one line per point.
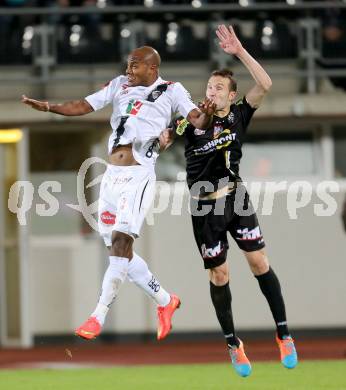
219 276
121 245
259 269
258 262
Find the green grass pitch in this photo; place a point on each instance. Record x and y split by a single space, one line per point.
308 375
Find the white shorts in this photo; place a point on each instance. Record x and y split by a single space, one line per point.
126 194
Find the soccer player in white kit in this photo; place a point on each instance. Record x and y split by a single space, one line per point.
143 105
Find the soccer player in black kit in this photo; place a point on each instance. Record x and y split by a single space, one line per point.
212 159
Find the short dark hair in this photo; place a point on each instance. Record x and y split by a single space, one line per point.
228 74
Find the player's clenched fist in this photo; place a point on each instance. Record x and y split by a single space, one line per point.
208 107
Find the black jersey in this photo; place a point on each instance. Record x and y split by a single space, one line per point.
215 153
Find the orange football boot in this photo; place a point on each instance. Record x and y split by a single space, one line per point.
164 316
288 353
90 329
239 360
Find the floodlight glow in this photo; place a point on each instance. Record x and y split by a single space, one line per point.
125 33
196 3
101 3
244 3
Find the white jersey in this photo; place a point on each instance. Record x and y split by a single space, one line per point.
141 113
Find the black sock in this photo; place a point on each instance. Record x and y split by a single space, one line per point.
270 287
222 299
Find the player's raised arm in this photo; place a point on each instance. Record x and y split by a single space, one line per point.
230 43
72 108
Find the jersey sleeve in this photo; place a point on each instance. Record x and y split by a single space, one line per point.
182 101
104 96
246 111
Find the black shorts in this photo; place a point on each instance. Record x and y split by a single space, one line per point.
233 213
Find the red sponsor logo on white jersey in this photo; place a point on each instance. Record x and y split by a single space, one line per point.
108 218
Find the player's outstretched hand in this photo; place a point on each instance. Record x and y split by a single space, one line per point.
36 104
228 40
166 139
208 107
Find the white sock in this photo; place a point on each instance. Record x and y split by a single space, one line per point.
114 277
139 273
